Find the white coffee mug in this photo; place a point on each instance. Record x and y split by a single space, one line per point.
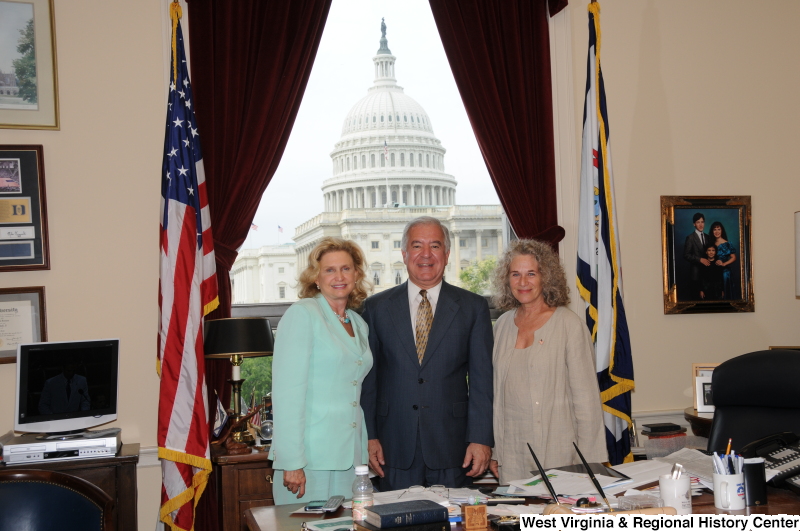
729 491
676 493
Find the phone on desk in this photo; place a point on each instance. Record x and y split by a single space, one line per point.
781 452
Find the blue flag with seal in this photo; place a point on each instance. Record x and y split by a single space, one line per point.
599 264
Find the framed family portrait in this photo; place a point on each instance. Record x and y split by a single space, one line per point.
28 70
22 320
23 209
706 257
701 378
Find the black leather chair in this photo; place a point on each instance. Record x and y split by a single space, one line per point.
42 500
755 395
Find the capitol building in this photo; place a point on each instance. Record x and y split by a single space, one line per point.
387 169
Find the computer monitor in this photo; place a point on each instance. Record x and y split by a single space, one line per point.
66 387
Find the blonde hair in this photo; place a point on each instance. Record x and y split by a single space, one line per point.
308 278
554 280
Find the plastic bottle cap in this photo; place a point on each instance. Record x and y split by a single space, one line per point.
362 470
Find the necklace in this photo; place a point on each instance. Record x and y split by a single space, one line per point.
342 318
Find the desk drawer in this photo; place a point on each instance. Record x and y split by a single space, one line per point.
255 482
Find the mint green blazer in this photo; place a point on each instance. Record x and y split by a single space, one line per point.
317 371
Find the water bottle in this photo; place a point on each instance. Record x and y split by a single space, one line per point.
362 493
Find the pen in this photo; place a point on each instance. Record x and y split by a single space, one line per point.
591 476
544 476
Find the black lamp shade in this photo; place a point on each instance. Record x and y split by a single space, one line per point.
249 337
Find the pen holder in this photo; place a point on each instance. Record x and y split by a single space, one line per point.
473 517
729 491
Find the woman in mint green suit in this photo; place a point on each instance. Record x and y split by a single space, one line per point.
320 359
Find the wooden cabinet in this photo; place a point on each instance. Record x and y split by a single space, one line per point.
243 482
116 476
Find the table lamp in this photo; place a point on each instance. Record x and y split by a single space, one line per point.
238 338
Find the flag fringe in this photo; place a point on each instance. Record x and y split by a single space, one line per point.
211 306
175 14
199 482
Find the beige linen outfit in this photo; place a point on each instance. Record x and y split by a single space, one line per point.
546 395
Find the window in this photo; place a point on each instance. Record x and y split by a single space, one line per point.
484 242
355 162
428 161
411 159
462 242
383 160
381 117
391 159
405 118
363 161
280 270
402 159
348 164
398 278
394 196
420 160
390 117
374 118
398 117
376 278
376 245
372 160
281 292
397 244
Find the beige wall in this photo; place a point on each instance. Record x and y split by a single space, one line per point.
702 99
102 178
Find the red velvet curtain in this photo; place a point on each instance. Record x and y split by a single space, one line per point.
250 64
499 52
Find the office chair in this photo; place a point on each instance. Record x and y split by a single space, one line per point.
34 500
755 395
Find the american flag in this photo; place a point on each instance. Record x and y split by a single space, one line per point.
280 229
187 292
253 226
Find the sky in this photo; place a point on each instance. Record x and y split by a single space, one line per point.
13 17
342 73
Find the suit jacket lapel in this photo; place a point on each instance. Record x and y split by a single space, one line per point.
446 309
336 328
400 313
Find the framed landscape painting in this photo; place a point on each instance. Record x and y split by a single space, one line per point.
28 79
706 258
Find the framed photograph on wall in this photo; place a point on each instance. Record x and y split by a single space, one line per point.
28 68
23 320
23 209
706 257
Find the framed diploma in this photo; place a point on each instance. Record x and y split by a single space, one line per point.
23 209
22 320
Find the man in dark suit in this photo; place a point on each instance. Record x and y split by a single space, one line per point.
694 252
427 424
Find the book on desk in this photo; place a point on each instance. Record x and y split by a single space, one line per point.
406 513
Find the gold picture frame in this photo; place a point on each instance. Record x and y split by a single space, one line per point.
28 93
23 319
700 371
692 282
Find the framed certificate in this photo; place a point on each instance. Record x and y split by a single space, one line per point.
22 320
23 209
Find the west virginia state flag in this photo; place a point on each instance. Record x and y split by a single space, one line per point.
599 262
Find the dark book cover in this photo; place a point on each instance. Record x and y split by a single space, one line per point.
414 512
432 526
660 427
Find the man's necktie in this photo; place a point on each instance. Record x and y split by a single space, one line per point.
424 321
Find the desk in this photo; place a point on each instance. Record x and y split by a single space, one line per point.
700 422
280 518
243 482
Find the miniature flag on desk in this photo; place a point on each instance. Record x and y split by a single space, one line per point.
187 292
599 259
220 418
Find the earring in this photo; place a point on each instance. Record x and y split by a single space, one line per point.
317 286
